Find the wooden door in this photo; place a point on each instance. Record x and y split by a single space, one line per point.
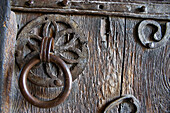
125 50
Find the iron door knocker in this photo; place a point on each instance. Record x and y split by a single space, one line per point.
67 49
45 56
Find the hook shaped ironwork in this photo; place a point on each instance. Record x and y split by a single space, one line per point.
125 98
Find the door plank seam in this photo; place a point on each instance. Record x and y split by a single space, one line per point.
123 64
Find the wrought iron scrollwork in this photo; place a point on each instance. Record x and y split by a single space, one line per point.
126 98
158 39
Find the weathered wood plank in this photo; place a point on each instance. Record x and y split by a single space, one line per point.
4 14
146 71
8 62
116 48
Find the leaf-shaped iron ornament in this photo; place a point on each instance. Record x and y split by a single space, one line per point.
70 44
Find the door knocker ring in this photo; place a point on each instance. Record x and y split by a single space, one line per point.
45 56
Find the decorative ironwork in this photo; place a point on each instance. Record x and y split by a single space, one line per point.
126 98
156 10
69 43
158 40
45 56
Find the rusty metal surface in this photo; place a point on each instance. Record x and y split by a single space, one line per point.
158 40
159 10
47 45
130 99
69 43
45 56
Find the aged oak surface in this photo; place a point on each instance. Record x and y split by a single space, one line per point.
4 16
118 64
8 33
146 71
9 62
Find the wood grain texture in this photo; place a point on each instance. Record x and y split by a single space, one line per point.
99 83
118 65
116 50
124 0
8 64
4 16
146 71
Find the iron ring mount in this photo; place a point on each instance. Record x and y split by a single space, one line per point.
70 44
45 56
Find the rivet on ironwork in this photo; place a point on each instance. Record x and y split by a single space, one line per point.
150 45
29 3
142 9
65 2
101 7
